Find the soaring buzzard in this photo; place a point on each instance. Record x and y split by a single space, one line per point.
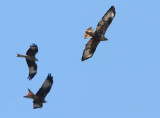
39 98
98 35
30 59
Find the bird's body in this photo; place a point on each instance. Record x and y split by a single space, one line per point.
98 35
30 59
39 97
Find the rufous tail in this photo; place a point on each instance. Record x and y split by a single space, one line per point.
89 33
30 95
19 55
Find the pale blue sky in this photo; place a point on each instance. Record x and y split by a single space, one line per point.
121 80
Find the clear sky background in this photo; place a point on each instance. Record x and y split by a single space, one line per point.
121 80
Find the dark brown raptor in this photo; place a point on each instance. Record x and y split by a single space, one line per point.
30 59
39 97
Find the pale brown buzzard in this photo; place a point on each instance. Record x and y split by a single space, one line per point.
98 35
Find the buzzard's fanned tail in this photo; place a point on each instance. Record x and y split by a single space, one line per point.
89 33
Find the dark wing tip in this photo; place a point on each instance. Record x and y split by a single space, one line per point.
49 75
82 59
33 45
113 9
50 78
31 76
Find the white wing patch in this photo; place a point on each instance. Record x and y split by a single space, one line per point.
87 53
112 14
89 56
47 84
31 70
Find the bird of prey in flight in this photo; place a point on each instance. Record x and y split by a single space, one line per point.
30 59
98 35
39 97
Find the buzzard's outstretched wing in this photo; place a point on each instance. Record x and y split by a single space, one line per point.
32 50
90 48
32 68
44 90
106 21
